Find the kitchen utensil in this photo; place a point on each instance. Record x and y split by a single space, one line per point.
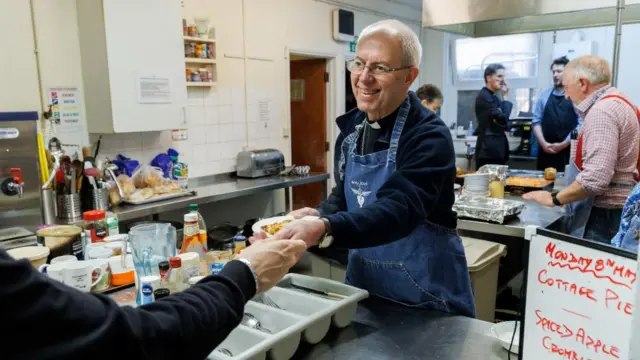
48 206
330 295
267 300
42 158
97 150
37 255
55 148
79 274
250 321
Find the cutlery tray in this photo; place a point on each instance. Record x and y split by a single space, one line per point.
297 316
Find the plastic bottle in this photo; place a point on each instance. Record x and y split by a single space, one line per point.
194 208
192 240
176 283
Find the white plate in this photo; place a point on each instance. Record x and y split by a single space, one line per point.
257 227
504 331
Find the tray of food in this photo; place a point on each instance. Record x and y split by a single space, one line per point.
299 308
488 209
147 185
150 196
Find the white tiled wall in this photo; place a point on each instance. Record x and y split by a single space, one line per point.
217 130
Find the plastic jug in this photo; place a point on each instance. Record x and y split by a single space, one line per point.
150 244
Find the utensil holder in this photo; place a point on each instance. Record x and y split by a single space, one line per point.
100 199
69 207
48 206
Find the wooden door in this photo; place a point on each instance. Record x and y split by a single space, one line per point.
308 126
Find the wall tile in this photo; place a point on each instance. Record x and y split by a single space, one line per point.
200 152
226 132
211 115
238 114
224 96
239 132
212 134
195 97
211 98
225 115
196 115
197 134
237 96
132 141
214 152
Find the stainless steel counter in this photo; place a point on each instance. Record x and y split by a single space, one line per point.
220 187
533 214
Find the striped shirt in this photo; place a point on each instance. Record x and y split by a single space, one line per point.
611 140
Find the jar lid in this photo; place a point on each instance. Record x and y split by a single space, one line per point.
93 215
160 293
175 262
190 217
59 231
239 238
163 265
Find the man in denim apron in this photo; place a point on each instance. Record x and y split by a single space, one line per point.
394 173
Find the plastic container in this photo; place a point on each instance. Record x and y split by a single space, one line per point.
190 266
95 226
113 225
483 260
37 255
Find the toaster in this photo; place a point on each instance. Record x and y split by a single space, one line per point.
258 163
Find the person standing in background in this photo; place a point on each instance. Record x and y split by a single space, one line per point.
606 164
492 113
430 97
554 118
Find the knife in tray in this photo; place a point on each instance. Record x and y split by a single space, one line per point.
327 294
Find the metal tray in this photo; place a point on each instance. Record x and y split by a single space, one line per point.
299 316
160 198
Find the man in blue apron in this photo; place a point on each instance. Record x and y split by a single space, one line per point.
394 174
554 118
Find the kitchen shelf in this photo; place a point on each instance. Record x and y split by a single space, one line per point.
199 61
198 40
201 84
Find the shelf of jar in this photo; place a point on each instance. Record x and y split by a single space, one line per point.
199 61
198 40
201 83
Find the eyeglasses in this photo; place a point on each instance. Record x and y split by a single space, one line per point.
357 67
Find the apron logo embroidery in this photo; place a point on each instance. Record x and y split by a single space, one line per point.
361 194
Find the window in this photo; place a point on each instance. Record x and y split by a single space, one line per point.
518 54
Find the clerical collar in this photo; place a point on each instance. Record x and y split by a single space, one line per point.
374 125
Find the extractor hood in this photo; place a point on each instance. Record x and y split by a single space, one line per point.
478 18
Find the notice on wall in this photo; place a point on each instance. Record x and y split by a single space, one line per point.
153 90
265 110
66 110
580 299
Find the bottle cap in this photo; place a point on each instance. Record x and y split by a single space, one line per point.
175 262
160 293
193 207
163 265
93 215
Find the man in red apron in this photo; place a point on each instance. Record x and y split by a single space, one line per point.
606 163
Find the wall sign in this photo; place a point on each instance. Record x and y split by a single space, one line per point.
66 109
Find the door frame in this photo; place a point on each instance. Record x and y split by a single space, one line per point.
334 108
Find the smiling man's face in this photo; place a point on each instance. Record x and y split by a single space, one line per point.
380 95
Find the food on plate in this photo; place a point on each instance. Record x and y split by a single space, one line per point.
168 187
273 228
462 173
141 194
527 181
550 173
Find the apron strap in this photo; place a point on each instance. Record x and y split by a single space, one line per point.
397 130
579 145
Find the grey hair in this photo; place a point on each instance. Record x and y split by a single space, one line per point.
592 68
411 47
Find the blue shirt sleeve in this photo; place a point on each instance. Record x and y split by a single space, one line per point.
538 111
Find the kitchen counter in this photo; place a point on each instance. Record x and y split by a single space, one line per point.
533 214
220 187
383 330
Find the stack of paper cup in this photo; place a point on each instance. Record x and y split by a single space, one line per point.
476 184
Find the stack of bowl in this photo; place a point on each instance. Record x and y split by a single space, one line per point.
476 185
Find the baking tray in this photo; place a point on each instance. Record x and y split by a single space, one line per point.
160 198
488 209
300 316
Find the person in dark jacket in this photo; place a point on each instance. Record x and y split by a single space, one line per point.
492 114
394 173
45 319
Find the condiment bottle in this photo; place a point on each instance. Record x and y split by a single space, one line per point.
192 241
147 284
240 243
163 266
95 226
175 275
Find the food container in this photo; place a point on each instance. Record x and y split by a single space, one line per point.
194 280
487 209
95 226
37 255
62 240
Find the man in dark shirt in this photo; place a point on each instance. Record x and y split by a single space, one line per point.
492 113
394 174
45 319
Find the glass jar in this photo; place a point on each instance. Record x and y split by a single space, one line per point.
95 226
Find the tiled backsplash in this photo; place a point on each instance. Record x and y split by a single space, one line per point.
217 130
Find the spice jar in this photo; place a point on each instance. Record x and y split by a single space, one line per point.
95 226
195 77
188 72
204 75
198 53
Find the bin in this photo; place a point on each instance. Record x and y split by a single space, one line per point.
483 260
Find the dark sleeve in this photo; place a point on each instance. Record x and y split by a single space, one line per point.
336 200
489 111
69 324
425 161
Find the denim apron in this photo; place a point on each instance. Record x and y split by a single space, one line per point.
426 269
